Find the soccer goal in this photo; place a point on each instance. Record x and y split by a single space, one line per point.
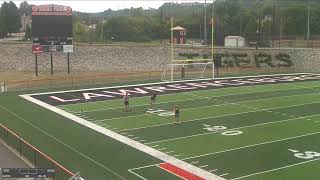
188 69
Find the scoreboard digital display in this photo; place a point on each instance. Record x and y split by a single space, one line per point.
52 26
52 29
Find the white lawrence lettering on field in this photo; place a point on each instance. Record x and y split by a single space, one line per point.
63 100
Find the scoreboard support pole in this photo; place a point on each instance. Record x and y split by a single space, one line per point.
51 61
68 60
36 64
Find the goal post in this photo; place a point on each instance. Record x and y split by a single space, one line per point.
188 69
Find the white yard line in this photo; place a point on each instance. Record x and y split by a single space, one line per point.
138 175
276 169
204 166
224 174
142 167
135 144
213 170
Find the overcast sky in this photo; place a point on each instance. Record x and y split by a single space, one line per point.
101 5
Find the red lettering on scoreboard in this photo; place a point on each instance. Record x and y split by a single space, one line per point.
37 49
51 10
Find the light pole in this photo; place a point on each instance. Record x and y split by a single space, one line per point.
257 39
308 28
205 22
90 29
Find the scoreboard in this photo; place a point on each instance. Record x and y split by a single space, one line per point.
26 173
52 28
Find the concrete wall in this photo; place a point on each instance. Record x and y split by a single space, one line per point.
18 57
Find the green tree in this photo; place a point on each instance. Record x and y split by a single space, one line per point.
28 34
295 21
125 28
80 32
25 9
11 18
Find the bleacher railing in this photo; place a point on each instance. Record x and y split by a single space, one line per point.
32 154
82 81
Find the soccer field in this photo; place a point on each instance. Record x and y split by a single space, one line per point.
256 128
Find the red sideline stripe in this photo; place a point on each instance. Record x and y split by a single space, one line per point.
179 172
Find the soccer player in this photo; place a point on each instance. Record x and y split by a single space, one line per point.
126 102
176 112
153 99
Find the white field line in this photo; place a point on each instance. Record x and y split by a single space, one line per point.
276 169
61 142
203 97
236 128
168 152
135 144
164 124
218 105
137 175
205 166
248 146
143 167
213 170
224 174
157 83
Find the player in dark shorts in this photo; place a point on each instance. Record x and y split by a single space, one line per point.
126 102
176 112
153 99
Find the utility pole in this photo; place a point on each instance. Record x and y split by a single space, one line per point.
205 22
200 32
308 30
90 28
102 28
240 23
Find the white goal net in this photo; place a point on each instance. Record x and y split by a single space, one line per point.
188 70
